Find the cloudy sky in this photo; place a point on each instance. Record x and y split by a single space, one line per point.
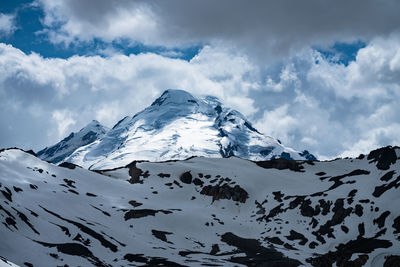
317 74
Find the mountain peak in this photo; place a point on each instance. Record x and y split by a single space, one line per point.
177 125
94 124
88 134
174 96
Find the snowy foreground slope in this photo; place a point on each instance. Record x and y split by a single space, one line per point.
202 212
176 126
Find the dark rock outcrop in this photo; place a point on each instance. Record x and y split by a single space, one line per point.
383 157
342 256
135 173
162 235
225 191
281 164
392 261
68 165
256 255
139 213
186 178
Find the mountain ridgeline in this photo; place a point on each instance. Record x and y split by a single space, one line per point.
60 151
176 126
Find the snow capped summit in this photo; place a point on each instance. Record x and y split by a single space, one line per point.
178 125
174 96
58 152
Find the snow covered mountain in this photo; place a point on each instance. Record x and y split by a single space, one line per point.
202 212
60 151
177 126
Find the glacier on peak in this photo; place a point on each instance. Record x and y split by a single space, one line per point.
178 125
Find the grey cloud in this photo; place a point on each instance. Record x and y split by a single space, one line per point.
95 11
263 29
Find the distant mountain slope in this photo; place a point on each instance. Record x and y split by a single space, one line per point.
177 126
60 151
202 212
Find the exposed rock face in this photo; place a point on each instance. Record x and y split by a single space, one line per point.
139 213
381 189
392 261
307 155
256 255
68 165
383 157
186 178
342 256
135 173
281 164
225 191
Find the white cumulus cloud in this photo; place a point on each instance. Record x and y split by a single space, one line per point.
306 101
71 92
7 24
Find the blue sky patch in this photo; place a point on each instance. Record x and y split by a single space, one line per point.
342 53
29 38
